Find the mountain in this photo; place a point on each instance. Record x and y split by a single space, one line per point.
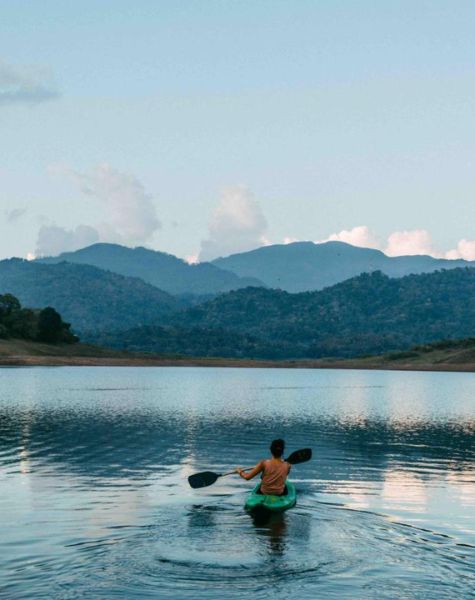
305 266
368 314
86 296
165 271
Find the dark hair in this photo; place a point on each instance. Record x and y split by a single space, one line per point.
277 448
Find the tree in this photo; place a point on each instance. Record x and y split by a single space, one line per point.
50 326
8 304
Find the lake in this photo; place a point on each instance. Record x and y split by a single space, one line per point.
95 501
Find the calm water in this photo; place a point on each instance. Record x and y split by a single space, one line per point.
94 500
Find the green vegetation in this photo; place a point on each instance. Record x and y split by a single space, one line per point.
87 297
369 314
44 325
193 341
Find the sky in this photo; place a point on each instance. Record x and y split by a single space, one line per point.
203 128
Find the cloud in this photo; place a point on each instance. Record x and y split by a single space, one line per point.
398 243
132 213
408 243
132 216
358 236
237 225
14 214
52 240
402 243
290 240
465 249
25 85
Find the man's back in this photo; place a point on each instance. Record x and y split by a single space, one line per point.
274 476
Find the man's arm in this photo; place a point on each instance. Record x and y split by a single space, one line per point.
255 471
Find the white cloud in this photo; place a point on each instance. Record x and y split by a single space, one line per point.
409 243
465 249
290 240
25 85
400 243
132 214
237 225
52 240
358 236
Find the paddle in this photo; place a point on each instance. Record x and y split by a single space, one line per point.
206 478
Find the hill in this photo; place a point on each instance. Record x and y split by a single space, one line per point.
87 297
369 314
165 271
305 266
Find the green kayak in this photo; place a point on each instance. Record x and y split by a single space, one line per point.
257 501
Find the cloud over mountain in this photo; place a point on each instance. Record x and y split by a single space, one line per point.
465 249
237 225
132 215
358 236
53 240
402 243
417 241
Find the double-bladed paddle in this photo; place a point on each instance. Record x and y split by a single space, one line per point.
206 478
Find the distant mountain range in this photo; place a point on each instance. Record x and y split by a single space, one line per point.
368 314
105 290
297 267
305 266
87 297
164 271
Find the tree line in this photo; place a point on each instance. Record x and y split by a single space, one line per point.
39 325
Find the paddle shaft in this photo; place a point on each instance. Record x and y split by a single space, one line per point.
234 472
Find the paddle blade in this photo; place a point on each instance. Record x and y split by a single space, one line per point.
300 456
199 480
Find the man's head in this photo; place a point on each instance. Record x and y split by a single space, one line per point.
277 448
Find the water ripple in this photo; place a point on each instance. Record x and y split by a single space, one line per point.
94 503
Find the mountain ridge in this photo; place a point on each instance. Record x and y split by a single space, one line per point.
306 266
165 271
295 267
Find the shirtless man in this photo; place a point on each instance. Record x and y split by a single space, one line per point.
274 471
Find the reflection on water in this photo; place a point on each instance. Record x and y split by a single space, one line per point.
273 527
94 465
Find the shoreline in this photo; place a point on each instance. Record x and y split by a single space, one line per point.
23 353
142 361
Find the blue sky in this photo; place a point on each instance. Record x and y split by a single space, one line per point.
202 128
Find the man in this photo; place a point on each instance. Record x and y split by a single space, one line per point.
274 471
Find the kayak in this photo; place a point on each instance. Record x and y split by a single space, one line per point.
257 501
